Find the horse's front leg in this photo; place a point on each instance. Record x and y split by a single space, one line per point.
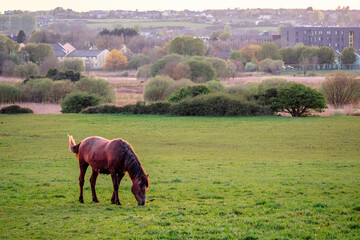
115 196
93 177
83 167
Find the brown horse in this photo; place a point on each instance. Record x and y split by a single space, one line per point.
115 157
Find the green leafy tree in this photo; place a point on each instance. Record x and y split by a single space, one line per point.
21 37
159 65
299 100
42 51
326 56
27 70
188 92
75 64
187 45
237 56
348 56
158 89
269 50
289 56
201 71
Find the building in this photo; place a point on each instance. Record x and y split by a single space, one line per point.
336 37
256 39
93 59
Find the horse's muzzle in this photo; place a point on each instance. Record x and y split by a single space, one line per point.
141 203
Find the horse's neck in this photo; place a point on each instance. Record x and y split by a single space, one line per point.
134 167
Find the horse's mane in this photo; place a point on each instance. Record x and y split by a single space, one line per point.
132 162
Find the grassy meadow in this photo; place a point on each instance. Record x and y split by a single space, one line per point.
210 178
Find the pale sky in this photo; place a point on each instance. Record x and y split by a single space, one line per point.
86 5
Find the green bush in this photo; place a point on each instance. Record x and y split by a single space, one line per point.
27 70
96 86
250 67
35 90
299 100
138 61
158 89
75 65
56 74
103 109
158 66
14 109
215 85
188 92
143 72
201 71
75 102
9 93
59 89
221 68
218 104
138 108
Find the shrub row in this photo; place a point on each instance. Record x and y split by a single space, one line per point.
217 104
46 90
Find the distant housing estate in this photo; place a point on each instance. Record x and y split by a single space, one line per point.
336 37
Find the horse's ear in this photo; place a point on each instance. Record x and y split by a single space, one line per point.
147 175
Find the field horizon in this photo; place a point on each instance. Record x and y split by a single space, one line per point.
210 178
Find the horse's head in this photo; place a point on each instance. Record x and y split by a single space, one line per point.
139 188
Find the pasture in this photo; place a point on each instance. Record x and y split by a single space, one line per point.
210 178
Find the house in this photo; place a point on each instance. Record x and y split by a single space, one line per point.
93 59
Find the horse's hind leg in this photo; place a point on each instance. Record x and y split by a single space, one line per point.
93 177
83 168
118 179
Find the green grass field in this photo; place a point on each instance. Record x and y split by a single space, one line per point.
210 178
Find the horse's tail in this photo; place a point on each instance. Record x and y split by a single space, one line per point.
73 147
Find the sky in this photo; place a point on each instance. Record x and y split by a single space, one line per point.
141 5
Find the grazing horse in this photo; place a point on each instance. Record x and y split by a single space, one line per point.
115 157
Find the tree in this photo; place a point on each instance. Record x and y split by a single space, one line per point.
74 64
326 56
115 61
201 71
250 52
159 65
138 61
309 55
299 100
75 102
158 89
348 57
237 56
27 70
21 37
269 50
270 66
341 88
187 45
289 56
41 51
45 36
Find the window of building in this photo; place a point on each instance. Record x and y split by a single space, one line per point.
351 39
328 32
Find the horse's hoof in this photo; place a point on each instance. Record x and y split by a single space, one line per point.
81 201
118 203
95 201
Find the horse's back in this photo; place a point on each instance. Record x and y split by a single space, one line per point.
102 154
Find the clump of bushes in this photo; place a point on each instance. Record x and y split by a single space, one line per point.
75 102
189 92
56 74
14 109
9 93
341 88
